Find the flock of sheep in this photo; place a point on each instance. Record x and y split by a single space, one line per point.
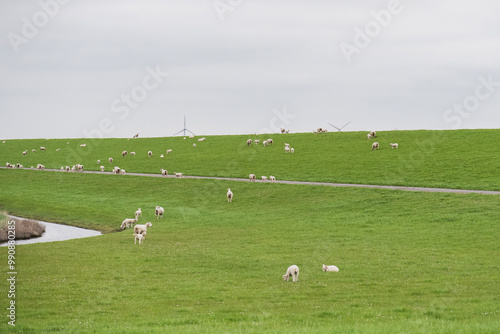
140 230
293 272
376 145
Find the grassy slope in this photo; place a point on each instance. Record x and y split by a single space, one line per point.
467 159
409 262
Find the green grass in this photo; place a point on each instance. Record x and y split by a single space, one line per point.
465 159
409 262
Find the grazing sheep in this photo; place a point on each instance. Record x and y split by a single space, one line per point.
127 223
138 213
132 153
141 237
178 174
110 160
116 170
25 152
292 271
272 178
102 168
373 133
159 211
394 145
368 136
164 172
270 142
330 268
375 146
264 142
252 177
169 151
249 142
68 168
40 167
98 162
79 168
256 141
122 171
150 154
138 229
42 148
264 178
124 153
229 195
292 150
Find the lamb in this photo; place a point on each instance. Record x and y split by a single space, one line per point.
272 178
178 174
102 168
229 195
150 154
40 167
8 165
138 213
116 170
124 153
287 149
394 145
57 150
251 177
375 146
79 168
292 271
249 142
25 152
330 268
127 223
164 172
256 141
138 229
132 153
169 151
140 237
42 148
292 150
159 211
68 168
110 160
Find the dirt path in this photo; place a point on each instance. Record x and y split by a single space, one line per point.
369 186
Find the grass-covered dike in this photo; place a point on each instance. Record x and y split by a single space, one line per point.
409 262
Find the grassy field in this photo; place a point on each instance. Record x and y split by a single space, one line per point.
466 159
409 262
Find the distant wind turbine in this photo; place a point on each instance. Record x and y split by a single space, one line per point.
340 127
185 129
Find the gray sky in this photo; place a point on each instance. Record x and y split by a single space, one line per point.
113 68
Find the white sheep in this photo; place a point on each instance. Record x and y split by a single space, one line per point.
8 165
68 168
202 139
102 168
330 268
159 211
136 135
229 195
83 145
252 177
110 160
138 213
62 169
25 152
178 174
57 150
33 150
375 146
270 142
116 170
292 150
124 153
394 145
256 141
132 153
373 133
150 154
122 172
249 142
164 172
127 223
264 142
194 145
141 237
272 178
98 162
169 151
287 149
40 167
79 168
368 136
138 229
264 178
287 145
292 271
42 148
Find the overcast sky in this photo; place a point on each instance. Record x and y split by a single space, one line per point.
115 68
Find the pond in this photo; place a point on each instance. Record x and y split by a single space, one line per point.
58 232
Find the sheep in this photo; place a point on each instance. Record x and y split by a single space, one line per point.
124 153
136 135
161 156
164 172
272 178
122 172
42 148
270 142
68 168
256 141
110 160
282 130
83 145
25 152
264 178
202 139
18 165
116 170
373 133
33 150
368 136
330 268
249 142
394 145
194 145
150 154
264 142
128 223
292 271
159 211
132 153
8 165
178 174
57 150
138 229
102 168
169 151
292 150
98 161
251 177
40 167
229 195
138 213
287 145
73 168
375 146
62 169
79 168
141 237
287 149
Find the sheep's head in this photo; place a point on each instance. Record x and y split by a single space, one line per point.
285 277
324 268
149 224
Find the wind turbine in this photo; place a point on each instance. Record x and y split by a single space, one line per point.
340 127
184 130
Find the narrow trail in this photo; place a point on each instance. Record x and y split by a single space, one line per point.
347 185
